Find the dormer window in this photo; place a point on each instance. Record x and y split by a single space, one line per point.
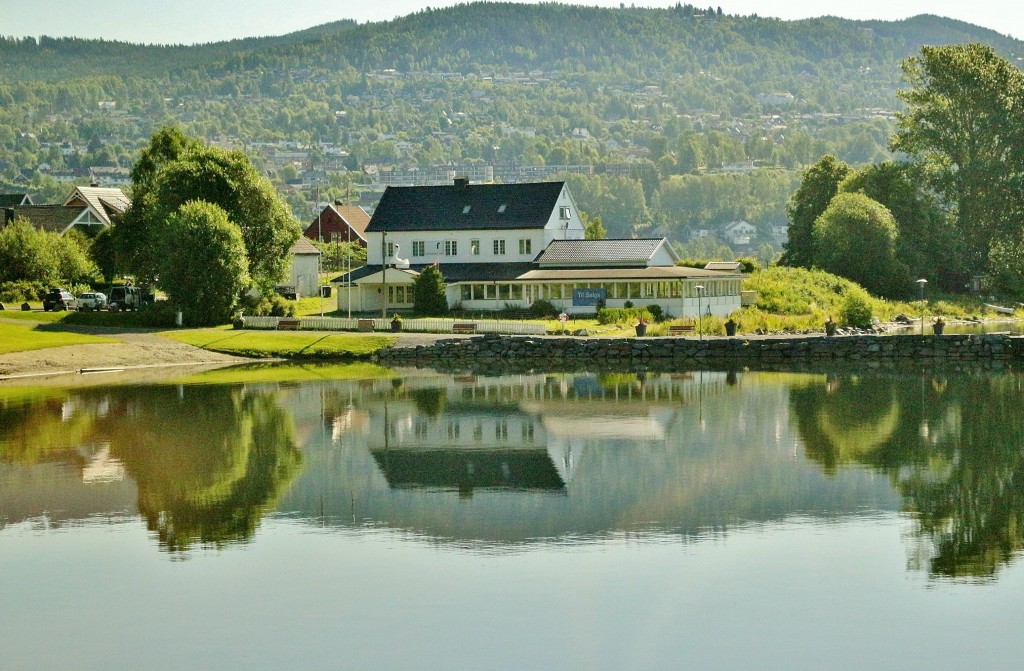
466 209
501 208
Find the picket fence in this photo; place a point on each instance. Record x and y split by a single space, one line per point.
503 327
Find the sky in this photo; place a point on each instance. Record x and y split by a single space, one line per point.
195 21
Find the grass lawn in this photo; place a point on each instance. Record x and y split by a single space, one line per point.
316 344
35 315
24 337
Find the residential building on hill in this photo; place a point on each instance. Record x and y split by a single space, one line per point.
501 245
339 223
86 208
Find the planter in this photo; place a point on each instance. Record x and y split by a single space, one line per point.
938 327
830 329
396 326
641 330
730 328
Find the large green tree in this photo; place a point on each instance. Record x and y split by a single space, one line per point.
963 125
820 183
203 266
428 293
856 238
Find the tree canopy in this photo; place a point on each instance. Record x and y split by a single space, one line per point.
820 184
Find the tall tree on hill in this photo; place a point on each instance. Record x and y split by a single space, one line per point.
963 125
820 183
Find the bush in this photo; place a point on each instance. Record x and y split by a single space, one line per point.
20 291
261 306
543 309
623 315
656 312
856 310
748 264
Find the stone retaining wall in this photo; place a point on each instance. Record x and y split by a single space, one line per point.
521 353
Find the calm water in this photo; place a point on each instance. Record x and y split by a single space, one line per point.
616 521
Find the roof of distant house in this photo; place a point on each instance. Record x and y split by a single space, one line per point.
52 218
105 201
303 246
614 252
14 199
463 206
730 266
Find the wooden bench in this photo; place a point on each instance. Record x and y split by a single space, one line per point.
680 329
365 324
463 328
288 325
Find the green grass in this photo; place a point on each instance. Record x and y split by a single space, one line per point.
35 315
278 372
24 338
314 344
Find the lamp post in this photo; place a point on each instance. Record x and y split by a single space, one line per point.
320 239
384 274
700 326
920 283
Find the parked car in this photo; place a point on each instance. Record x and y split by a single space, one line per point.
125 298
59 299
92 300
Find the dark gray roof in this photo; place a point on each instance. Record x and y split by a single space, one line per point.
53 218
444 208
456 272
611 252
13 199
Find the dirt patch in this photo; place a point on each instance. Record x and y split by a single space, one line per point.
134 349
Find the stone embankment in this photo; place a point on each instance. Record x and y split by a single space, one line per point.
510 353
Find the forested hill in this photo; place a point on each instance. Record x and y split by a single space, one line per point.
507 37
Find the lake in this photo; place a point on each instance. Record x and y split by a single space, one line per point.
361 518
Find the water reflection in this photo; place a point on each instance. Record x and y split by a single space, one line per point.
952 447
206 462
508 462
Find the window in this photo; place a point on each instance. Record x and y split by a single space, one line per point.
418 248
451 247
391 249
467 292
501 208
525 246
466 209
564 213
474 247
499 247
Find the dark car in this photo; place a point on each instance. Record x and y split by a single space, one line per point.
59 299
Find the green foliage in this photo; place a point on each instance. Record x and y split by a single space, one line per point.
28 254
819 184
963 127
624 315
19 291
336 257
203 265
855 310
274 305
748 264
1006 256
856 238
798 291
428 293
592 227
542 309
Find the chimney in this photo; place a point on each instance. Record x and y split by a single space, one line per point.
461 183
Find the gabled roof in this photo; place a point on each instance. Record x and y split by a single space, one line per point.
459 207
14 199
105 202
604 252
354 216
52 218
303 246
453 272
349 218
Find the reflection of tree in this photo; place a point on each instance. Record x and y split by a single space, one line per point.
207 464
430 401
31 431
953 448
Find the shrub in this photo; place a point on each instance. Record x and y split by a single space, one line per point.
542 309
22 290
623 315
656 312
856 309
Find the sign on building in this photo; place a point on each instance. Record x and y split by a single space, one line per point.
585 297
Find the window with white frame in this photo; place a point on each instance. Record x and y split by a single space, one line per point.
451 247
525 246
418 248
499 247
391 249
565 213
474 247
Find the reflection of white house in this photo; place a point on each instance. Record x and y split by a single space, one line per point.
87 208
513 244
305 267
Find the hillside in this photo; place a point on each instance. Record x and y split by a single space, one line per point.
642 103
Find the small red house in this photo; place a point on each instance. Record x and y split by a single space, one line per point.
340 223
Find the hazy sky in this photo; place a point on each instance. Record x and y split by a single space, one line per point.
191 21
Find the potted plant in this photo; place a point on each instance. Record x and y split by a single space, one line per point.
396 322
830 327
730 327
938 325
641 326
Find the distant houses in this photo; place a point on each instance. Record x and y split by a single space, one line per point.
87 208
339 223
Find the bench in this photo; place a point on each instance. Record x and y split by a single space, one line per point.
463 328
365 324
680 329
288 325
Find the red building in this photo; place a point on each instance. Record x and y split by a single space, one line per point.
340 223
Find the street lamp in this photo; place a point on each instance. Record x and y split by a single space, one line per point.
700 328
920 283
384 274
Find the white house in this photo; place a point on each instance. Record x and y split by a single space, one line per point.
739 232
87 208
500 245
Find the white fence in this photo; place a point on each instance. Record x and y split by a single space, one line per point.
428 325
